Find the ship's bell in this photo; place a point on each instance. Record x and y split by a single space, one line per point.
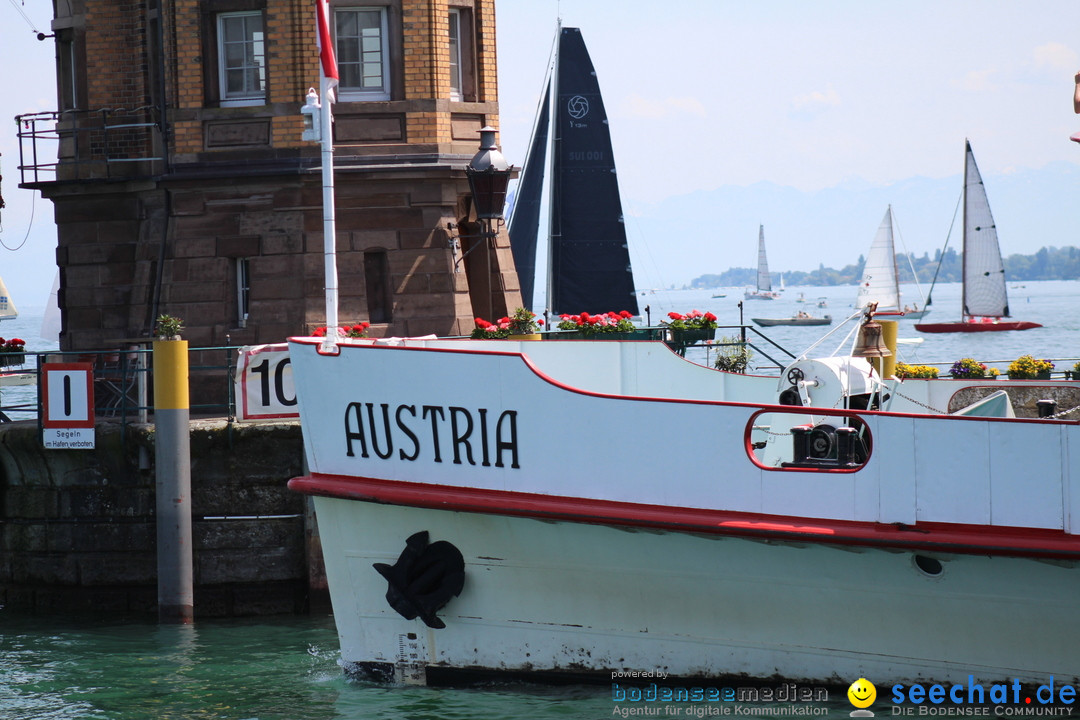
870 343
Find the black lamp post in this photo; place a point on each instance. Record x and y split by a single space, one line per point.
489 176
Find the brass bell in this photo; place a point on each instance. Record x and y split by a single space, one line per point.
870 343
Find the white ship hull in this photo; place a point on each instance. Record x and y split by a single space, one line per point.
618 508
574 598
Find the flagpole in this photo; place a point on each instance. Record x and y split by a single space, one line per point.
328 79
329 222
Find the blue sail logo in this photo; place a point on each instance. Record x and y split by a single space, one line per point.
578 107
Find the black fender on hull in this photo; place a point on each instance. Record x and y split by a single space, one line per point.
424 578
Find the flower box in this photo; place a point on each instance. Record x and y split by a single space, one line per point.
691 336
1041 375
8 359
642 334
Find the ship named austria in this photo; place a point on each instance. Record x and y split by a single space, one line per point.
427 432
584 507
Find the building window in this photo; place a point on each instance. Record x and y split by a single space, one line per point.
241 59
462 64
362 48
455 55
67 64
243 291
377 279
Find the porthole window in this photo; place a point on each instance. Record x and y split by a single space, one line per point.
927 565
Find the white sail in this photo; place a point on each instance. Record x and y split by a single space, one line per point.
7 306
879 282
984 273
764 282
50 323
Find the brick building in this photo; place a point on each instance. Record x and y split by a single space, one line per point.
183 185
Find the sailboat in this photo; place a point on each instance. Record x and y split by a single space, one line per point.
764 281
880 280
985 300
7 305
588 260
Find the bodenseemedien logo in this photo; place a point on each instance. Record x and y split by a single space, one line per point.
862 694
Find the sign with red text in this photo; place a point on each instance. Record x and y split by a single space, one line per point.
67 406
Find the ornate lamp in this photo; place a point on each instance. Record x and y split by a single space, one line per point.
489 176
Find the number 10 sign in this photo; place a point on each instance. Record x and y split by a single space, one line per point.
264 383
68 402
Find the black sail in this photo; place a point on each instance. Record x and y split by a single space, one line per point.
590 261
525 217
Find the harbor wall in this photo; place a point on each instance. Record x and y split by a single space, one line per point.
77 528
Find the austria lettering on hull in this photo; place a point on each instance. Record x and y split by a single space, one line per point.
434 433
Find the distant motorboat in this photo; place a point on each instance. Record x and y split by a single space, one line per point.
799 318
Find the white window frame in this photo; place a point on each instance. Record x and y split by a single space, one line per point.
454 36
243 291
257 40
358 93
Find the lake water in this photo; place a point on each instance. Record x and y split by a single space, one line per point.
1054 304
265 669
287 668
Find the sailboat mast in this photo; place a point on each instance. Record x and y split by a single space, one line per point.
892 257
554 223
964 240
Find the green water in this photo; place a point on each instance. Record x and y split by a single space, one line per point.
258 669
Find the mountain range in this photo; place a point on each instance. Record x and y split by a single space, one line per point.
708 231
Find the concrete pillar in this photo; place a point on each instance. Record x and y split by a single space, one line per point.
173 482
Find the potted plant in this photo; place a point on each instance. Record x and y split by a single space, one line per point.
920 372
969 369
168 327
12 352
613 325
691 328
732 355
524 325
1074 374
1027 367
485 330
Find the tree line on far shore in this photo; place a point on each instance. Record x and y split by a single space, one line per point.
1047 264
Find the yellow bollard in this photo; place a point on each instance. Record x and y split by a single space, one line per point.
886 366
172 450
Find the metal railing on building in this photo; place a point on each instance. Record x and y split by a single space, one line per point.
122 383
105 144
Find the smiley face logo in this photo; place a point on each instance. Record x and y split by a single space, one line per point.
862 693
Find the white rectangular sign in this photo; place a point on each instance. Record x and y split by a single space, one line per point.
68 404
264 384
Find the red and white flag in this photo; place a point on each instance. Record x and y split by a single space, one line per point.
326 45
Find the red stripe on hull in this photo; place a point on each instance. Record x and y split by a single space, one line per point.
945 537
975 326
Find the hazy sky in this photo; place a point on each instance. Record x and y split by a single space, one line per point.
807 94
707 93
